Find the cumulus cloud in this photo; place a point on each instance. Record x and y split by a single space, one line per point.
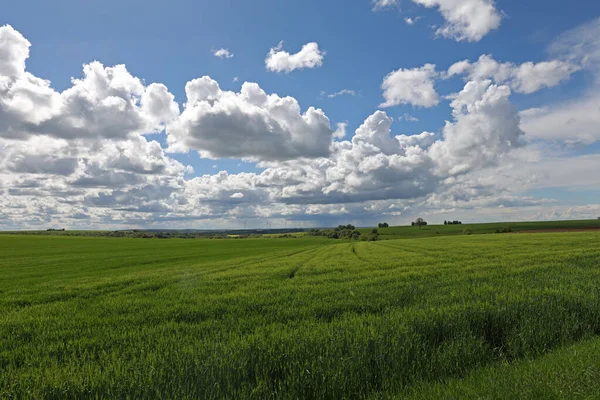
410 86
376 165
486 126
108 102
468 20
14 51
107 172
525 78
249 125
222 53
82 157
279 60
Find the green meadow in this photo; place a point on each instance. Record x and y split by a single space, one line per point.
463 316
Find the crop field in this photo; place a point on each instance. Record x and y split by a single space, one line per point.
404 232
479 316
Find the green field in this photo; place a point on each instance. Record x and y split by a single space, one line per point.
403 232
480 316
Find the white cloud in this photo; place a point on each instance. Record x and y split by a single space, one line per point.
14 50
106 103
525 78
468 20
486 126
411 21
343 92
574 121
81 157
222 53
409 118
581 46
279 60
410 86
340 132
249 124
380 4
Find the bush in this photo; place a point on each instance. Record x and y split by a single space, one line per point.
374 230
467 232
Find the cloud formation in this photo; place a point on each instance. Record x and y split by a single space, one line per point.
575 121
249 125
279 60
343 92
525 78
223 53
465 20
83 157
410 86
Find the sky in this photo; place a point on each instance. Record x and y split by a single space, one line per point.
197 114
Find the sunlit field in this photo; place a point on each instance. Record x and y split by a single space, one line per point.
89 317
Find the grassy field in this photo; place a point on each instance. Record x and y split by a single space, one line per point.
86 317
405 232
571 372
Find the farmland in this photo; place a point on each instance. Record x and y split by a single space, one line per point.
404 232
96 317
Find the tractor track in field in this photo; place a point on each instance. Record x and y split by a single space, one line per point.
365 260
257 260
294 271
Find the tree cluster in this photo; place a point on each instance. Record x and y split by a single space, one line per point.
341 232
452 222
419 222
383 225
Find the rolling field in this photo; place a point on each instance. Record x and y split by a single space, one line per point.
405 232
86 317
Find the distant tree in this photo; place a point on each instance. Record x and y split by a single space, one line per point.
412 223
445 222
374 230
420 222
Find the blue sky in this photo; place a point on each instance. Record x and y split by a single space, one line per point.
173 44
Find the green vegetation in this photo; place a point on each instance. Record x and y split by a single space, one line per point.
160 234
86 317
341 232
572 372
405 232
